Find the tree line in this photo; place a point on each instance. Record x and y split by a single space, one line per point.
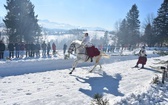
156 32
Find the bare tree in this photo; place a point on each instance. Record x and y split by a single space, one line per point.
117 25
148 20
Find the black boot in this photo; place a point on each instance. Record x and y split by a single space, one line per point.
136 66
142 66
91 59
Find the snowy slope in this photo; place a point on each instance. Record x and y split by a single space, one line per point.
46 81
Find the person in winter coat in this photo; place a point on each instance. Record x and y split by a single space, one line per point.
48 49
22 48
27 47
64 48
44 46
54 48
32 49
2 49
11 48
17 49
37 49
142 57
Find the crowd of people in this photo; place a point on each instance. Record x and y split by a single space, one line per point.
20 50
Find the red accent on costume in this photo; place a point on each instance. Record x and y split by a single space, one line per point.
142 60
92 51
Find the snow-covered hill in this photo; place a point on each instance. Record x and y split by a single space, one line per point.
55 25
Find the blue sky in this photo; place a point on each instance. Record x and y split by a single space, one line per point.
90 13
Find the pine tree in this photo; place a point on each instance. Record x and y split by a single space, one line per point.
161 23
105 42
148 36
21 21
133 25
123 33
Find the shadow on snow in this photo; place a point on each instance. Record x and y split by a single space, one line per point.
100 85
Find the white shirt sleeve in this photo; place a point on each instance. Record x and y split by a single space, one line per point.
142 53
86 40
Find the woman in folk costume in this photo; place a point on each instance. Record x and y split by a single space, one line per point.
142 57
86 42
54 48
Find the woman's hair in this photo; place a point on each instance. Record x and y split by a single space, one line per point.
86 34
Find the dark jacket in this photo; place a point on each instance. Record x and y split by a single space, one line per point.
37 46
32 47
48 47
65 47
44 46
27 46
11 47
17 46
2 46
22 46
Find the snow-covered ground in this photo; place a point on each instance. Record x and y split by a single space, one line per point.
46 81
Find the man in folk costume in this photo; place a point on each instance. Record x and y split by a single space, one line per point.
86 42
142 57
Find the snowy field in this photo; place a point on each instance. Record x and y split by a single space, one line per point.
46 81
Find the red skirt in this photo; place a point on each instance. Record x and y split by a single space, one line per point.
142 60
92 51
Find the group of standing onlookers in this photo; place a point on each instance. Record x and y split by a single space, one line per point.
30 49
105 48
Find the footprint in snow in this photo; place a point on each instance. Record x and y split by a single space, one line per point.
19 89
28 93
58 95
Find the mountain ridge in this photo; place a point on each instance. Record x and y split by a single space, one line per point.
55 25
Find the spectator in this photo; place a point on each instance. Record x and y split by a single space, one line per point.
37 49
48 49
2 49
17 49
54 48
100 47
112 48
105 48
22 48
44 46
27 47
32 49
11 48
64 48
109 48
